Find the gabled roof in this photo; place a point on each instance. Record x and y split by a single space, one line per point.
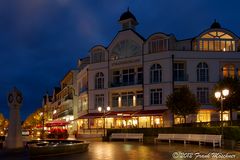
136 33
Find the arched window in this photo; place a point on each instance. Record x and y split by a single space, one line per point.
155 73
124 49
229 70
99 80
216 41
202 72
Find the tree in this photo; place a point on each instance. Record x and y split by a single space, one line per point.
3 122
232 101
33 120
182 102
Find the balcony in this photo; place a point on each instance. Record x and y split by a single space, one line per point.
68 97
65 113
124 84
181 78
83 89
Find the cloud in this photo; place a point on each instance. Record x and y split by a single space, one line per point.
40 40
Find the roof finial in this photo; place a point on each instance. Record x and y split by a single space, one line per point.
215 24
128 9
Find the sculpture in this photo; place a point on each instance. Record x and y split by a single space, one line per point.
14 139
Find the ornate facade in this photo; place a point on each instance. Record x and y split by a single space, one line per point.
134 75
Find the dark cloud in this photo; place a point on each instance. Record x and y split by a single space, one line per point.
40 40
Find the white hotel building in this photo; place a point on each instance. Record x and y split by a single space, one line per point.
134 75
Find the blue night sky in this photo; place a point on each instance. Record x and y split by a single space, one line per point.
40 40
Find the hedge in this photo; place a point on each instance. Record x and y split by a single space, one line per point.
232 133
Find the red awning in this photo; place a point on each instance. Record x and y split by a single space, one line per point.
39 126
56 123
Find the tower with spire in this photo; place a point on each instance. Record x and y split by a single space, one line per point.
128 20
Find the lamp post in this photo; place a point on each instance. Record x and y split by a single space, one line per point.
42 117
54 111
100 109
221 95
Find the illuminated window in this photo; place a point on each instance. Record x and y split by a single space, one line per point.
144 122
215 41
229 70
155 73
202 72
158 44
204 116
226 116
178 119
99 80
83 104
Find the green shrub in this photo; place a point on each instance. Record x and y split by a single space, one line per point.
232 133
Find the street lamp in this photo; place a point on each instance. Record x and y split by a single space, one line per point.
42 117
221 96
100 109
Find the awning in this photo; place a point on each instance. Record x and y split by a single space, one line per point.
108 114
56 123
149 112
123 114
91 115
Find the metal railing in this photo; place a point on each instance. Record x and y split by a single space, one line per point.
113 84
181 78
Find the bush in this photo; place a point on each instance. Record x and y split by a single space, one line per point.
232 133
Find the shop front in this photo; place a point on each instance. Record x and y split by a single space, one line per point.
127 119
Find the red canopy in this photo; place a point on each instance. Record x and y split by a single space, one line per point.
56 123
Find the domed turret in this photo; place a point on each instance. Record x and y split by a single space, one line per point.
128 20
215 25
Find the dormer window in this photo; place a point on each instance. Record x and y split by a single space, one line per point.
215 41
98 56
157 44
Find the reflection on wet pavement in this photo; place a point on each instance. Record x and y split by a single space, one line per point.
138 151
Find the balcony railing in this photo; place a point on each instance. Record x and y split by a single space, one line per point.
124 84
181 78
65 113
68 97
83 89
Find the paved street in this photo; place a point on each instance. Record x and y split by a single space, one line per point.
136 151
